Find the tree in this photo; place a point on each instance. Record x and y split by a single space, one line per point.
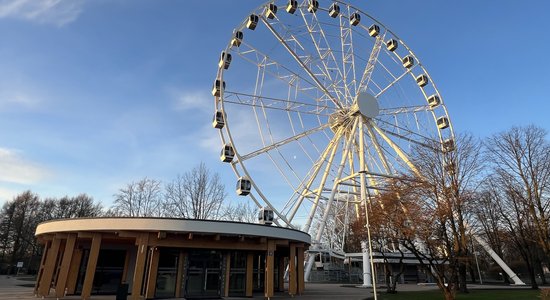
138 199
71 207
197 194
489 220
520 161
18 220
240 212
427 211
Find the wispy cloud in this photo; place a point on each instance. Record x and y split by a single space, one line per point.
57 12
15 169
192 100
17 99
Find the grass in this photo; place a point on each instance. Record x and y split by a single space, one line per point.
509 294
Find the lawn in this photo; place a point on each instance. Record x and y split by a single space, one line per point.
509 294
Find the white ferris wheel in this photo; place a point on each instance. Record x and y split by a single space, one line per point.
318 105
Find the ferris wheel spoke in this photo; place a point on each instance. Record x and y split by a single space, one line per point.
373 59
378 149
404 110
417 141
323 51
395 147
276 104
303 192
302 64
282 143
348 64
319 192
291 78
396 80
345 153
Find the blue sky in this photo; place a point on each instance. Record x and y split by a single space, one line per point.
96 94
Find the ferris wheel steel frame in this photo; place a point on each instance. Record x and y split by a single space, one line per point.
363 140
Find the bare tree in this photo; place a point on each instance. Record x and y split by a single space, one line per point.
18 220
241 212
196 195
449 184
490 222
138 199
520 160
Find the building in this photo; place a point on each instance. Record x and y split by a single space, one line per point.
168 258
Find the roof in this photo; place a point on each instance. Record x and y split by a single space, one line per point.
113 224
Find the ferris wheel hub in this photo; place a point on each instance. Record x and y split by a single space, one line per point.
367 105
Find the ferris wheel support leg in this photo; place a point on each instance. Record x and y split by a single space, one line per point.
498 260
309 265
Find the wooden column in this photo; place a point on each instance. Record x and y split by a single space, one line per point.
300 271
73 271
227 274
91 266
49 266
269 269
180 275
249 273
281 274
65 265
292 270
47 246
153 271
142 240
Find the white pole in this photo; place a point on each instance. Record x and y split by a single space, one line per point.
478 271
367 276
498 260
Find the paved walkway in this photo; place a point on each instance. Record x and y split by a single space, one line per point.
21 288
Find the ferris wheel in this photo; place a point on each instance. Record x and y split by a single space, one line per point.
318 105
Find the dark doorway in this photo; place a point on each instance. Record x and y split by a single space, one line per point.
167 273
204 274
108 272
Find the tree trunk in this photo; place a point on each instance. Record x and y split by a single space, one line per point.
448 293
462 286
473 274
532 277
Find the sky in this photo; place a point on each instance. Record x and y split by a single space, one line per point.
97 94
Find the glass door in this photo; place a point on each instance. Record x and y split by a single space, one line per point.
203 274
167 273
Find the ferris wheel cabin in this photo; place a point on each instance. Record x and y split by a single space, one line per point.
252 22
225 60
313 6
270 11
442 122
374 30
243 186
291 6
391 45
218 86
448 145
355 19
218 121
227 153
266 216
334 10
237 39
433 101
422 80
408 61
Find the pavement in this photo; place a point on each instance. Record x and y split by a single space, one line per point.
22 288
